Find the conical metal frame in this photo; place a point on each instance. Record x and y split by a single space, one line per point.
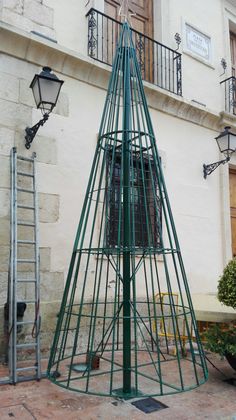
126 326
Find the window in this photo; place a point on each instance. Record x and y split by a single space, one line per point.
145 207
233 52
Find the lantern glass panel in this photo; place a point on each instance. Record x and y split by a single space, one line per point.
232 143
223 143
36 91
49 90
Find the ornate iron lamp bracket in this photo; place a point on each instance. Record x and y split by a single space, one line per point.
208 169
32 131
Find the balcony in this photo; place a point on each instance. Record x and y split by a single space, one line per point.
230 94
159 64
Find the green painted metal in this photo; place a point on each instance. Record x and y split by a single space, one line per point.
126 137
126 319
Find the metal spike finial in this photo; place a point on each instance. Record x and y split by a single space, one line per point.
124 11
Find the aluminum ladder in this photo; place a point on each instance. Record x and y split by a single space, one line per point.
24 280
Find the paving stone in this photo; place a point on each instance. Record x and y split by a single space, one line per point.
45 400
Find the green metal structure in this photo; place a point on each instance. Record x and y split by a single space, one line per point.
126 326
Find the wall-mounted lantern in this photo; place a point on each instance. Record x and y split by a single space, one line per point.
46 88
226 142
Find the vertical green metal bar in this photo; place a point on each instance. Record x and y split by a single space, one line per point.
116 303
172 307
126 223
142 100
138 102
87 264
133 167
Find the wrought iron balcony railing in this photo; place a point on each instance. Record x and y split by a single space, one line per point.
230 94
159 64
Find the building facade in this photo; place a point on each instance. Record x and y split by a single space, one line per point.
191 95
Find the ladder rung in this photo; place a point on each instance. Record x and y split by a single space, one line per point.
21 260
25 190
25 345
21 241
25 322
22 206
22 223
26 281
25 174
25 158
27 368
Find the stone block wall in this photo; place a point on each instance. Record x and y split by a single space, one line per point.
29 15
65 147
16 112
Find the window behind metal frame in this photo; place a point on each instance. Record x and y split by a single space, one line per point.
145 207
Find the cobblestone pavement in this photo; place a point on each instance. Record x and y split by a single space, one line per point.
42 400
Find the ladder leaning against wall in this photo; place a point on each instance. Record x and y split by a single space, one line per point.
24 280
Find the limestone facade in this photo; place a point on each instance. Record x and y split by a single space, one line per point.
35 33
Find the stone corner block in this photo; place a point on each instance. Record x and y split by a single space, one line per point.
4 203
16 6
9 87
3 287
47 153
38 13
4 258
62 107
14 115
52 286
4 172
6 140
25 95
45 259
44 147
48 208
4 229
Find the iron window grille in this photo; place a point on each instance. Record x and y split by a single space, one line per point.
159 64
145 204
